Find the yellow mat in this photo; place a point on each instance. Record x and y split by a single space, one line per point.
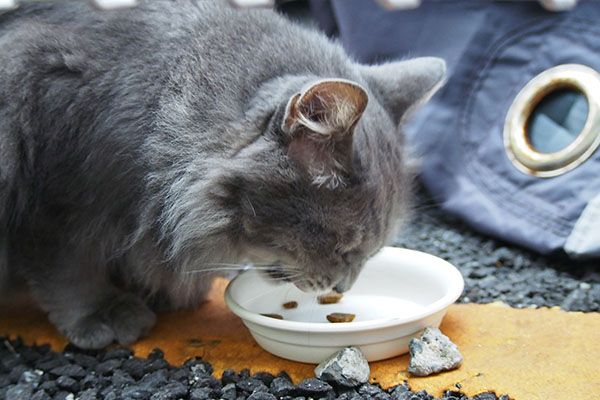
528 354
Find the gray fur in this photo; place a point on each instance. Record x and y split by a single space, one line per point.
143 151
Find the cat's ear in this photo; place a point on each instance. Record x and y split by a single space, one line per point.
403 85
320 122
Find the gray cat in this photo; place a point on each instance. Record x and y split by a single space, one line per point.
144 151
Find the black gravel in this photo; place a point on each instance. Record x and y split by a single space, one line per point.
37 373
497 271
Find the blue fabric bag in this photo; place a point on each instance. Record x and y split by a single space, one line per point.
473 162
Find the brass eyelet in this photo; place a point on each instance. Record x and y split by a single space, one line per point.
518 147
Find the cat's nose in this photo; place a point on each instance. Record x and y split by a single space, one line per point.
346 282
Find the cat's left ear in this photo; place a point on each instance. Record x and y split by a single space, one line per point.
320 122
403 85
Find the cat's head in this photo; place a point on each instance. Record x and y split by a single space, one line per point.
324 185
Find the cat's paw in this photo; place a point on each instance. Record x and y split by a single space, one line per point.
125 319
130 318
90 333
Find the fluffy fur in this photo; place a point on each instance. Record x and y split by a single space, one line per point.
144 151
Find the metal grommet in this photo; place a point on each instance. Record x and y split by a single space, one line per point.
523 155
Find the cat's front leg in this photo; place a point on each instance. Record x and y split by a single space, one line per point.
90 311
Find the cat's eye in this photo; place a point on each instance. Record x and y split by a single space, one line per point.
553 125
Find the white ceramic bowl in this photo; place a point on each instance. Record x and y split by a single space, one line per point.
398 293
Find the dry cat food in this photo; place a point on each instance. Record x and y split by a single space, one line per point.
276 316
330 298
290 304
327 298
340 317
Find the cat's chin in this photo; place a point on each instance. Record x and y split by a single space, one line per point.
305 289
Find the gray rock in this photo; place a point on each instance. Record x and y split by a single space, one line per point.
433 353
34 377
348 367
19 392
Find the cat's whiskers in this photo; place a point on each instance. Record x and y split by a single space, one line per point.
287 278
291 271
249 300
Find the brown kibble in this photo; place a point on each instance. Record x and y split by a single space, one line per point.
330 298
276 316
290 304
340 317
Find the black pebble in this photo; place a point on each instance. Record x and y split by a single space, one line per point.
88 394
110 394
90 381
284 375
207 381
452 395
156 354
71 370
350 395
108 367
121 379
265 377
134 367
281 387
118 353
85 360
229 376
261 396
198 367
250 385
423 395
244 374
205 393
41 395
67 383
10 361
63 395
137 392
19 391
229 392
313 387
15 374
48 363
374 391
29 354
4 381
486 396
181 375
155 379
49 386
155 365
171 391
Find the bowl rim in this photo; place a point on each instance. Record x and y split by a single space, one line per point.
449 298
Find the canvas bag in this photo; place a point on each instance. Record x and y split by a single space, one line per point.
493 49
